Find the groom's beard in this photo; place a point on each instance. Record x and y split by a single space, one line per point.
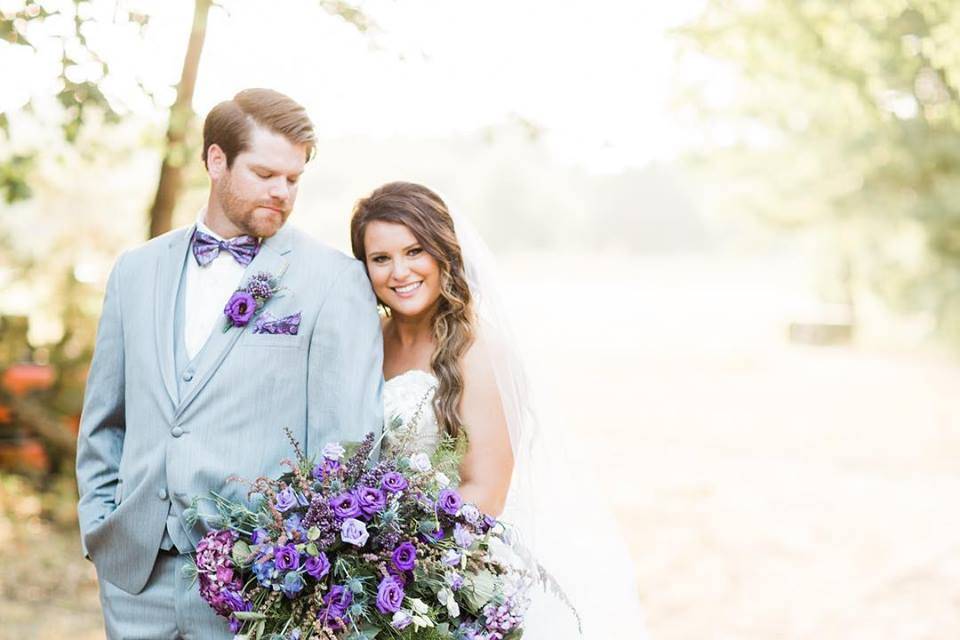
261 219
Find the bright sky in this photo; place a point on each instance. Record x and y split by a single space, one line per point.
595 76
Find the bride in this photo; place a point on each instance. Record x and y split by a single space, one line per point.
450 365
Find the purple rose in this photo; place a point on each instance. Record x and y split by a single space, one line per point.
259 536
345 505
338 600
449 502
462 536
286 500
455 580
287 558
317 566
371 500
240 308
405 557
389 595
393 482
354 532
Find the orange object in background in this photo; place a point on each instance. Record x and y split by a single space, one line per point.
23 377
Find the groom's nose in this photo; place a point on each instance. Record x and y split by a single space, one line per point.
279 189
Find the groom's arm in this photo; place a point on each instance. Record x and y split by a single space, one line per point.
102 422
345 367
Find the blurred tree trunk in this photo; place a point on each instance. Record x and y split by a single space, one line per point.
181 115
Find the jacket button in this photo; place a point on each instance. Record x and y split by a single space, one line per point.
176 432
162 494
188 376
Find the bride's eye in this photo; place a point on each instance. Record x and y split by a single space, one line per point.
415 251
378 259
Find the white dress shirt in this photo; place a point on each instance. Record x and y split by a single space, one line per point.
208 290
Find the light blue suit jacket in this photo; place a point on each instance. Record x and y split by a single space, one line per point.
144 451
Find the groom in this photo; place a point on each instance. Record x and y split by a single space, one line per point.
184 393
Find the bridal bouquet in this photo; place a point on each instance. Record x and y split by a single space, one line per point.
345 548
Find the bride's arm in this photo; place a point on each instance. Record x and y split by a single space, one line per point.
488 464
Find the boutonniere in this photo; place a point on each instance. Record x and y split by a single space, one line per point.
247 302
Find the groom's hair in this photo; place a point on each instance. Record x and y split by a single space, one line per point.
229 123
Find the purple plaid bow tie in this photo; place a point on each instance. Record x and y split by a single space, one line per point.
206 248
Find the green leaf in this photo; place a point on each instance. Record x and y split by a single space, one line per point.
249 615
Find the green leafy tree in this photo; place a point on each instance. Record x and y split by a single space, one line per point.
846 123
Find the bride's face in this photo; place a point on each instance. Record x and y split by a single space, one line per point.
404 276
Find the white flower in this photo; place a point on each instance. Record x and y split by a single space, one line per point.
442 479
401 619
418 605
446 598
354 532
420 462
333 451
470 513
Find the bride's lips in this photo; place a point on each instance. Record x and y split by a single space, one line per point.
407 290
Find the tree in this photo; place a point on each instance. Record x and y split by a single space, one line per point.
848 124
83 72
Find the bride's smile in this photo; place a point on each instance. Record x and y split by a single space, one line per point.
405 277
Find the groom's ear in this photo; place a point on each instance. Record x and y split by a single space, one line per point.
216 162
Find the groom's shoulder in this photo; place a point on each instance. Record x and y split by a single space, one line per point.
318 256
144 255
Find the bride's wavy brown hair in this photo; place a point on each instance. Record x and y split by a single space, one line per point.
426 215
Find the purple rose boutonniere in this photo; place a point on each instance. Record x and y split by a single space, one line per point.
248 301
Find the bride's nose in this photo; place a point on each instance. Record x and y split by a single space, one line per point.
400 269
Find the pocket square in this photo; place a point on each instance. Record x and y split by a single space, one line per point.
287 325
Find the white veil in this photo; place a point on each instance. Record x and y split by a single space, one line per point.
553 502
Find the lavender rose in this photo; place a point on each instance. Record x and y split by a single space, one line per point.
317 566
240 308
401 620
287 558
393 481
389 595
354 532
462 536
449 502
286 500
405 557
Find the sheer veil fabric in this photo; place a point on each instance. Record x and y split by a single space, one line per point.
556 505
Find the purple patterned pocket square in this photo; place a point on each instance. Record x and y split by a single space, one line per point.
287 326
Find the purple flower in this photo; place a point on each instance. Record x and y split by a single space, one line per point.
371 500
451 557
449 502
393 481
337 601
462 536
240 308
433 536
259 536
405 557
286 500
389 595
317 566
354 532
455 580
287 558
325 469
401 620
345 505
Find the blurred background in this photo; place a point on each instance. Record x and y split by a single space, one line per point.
727 231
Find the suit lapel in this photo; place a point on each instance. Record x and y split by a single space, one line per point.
169 268
270 259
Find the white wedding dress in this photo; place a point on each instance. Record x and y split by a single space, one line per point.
584 554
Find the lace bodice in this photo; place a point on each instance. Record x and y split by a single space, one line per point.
404 396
